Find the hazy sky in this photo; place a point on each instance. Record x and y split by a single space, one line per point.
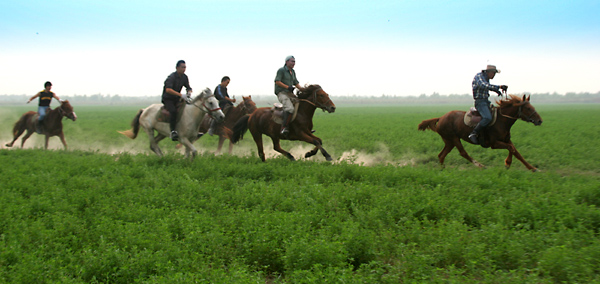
360 48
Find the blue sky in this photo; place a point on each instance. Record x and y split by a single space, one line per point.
360 48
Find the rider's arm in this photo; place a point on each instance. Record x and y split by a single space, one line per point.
32 98
482 83
172 92
56 97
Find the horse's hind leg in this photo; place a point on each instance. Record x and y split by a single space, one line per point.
11 143
154 142
464 154
29 133
259 144
277 147
508 160
449 145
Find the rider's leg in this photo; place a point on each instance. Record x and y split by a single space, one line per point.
171 107
288 108
483 107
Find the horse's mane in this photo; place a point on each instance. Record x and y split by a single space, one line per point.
206 92
509 101
308 90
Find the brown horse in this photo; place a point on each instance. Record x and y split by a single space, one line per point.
52 124
261 122
247 106
451 128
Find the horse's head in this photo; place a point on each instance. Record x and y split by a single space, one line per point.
316 95
67 110
248 104
207 100
526 111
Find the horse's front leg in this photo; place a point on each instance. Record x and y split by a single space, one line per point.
220 146
309 138
512 150
61 135
190 150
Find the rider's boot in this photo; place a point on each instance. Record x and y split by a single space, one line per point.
174 135
284 125
39 127
474 136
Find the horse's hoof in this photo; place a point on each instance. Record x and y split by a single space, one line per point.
329 159
535 170
7 145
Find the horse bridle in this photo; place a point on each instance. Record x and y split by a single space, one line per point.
314 97
528 118
210 111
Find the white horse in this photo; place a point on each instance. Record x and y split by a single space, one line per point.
187 126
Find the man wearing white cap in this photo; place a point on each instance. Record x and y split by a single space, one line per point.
481 87
285 81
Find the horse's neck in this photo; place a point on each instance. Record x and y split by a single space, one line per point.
193 114
54 117
511 111
306 109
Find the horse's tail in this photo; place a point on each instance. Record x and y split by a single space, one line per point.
20 125
135 125
240 127
430 123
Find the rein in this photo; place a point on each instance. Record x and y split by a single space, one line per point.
528 118
314 97
205 107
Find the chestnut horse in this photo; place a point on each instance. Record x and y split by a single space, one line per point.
52 124
452 129
261 122
247 106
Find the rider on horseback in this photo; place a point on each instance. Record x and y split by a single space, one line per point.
481 87
285 80
225 103
171 96
45 99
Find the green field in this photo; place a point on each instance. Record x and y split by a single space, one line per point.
110 211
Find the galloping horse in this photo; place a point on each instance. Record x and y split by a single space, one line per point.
247 106
52 124
261 122
451 128
187 126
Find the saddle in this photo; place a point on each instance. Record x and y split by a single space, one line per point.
164 116
277 111
472 117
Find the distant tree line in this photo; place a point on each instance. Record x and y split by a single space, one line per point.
262 100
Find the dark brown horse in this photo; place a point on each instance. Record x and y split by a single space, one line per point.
261 122
52 124
452 129
247 106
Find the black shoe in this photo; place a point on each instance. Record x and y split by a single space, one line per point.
39 127
313 131
200 134
473 138
284 131
174 135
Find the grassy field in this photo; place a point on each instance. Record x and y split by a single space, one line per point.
110 211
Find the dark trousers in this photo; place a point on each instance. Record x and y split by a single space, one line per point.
171 106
